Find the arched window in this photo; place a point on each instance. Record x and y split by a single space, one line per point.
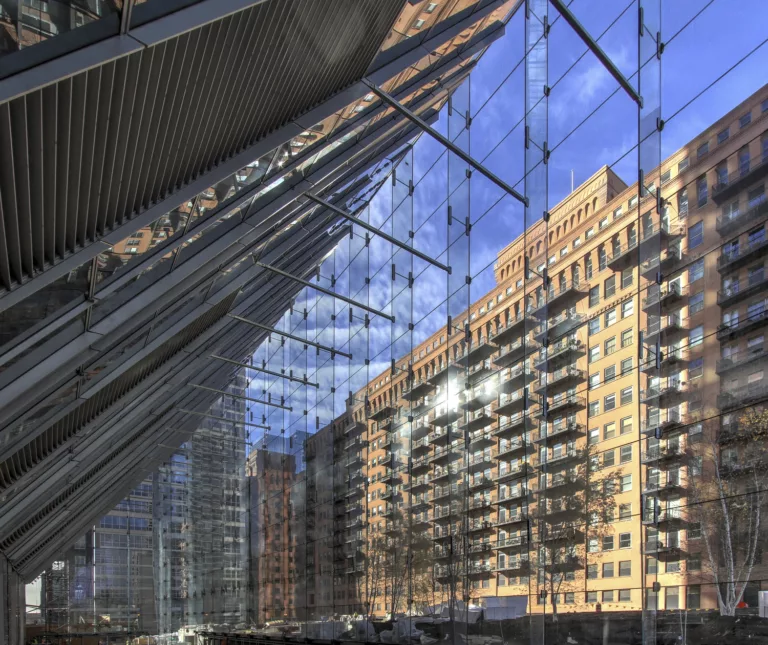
588 267
575 274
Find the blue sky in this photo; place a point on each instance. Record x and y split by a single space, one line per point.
591 124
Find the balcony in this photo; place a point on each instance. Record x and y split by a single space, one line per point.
513 471
563 351
479 525
560 379
663 552
382 412
563 509
666 423
480 461
479 504
389 493
514 426
514 353
515 327
420 406
516 540
356 429
515 566
390 476
445 474
419 522
558 326
661 233
479 372
418 505
559 458
480 483
480 569
558 432
564 404
420 447
355 444
741 290
515 378
673 296
510 404
445 455
666 329
445 513
740 359
446 573
445 373
732 331
736 258
440 553
417 390
668 516
561 534
746 174
444 492
729 224
356 569
481 439
623 256
561 297
664 263
420 464
671 487
508 519
743 396
483 545
512 448
477 398
669 362
445 415
662 454
558 483
420 428
476 421
417 484
477 351
665 394
513 495
440 435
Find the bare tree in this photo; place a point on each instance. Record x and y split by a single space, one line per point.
727 494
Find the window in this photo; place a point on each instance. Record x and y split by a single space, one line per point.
696 303
594 380
569 598
627 308
696 271
625 512
609 458
590 232
594 353
610 345
588 269
594 408
626 395
564 251
693 597
626 454
696 336
577 243
607 569
671 596
591 572
608 596
551 259
702 150
625 483
617 213
682 165
609 402
602 223
593 326
594 436
694 531
633 201
602 258
755 197
666 176
625 595
696 368
419 24
609 430
627 278
682 203
592 545
607 543
723 135
609 287
610 317
625 566
651 565
430 7
745 120
609 374
695 235
701 191
626 341
594 295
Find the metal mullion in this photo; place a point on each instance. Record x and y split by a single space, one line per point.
200 108
5 269
112 144
88 150
244 398
227 82
171 176
21 172
80 85
104 121
237 109
36 183
582 33
217 418
158 154
10 216
48 171
148 124
263 370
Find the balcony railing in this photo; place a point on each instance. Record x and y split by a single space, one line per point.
727 224
740 358
732 330
665 298
557 295
742 289
738 257
748 172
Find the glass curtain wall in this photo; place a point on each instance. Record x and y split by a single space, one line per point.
564 433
